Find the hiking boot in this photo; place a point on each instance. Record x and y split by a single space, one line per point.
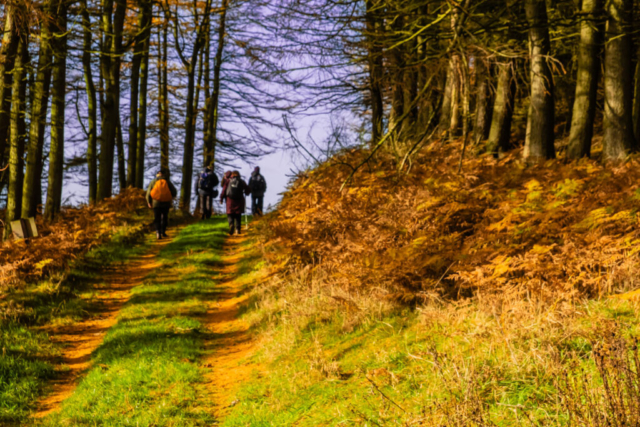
158 235
164 234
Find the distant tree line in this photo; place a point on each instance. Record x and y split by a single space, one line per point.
495 73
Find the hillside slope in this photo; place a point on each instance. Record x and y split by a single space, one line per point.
437 298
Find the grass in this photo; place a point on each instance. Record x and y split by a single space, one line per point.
477 362
63 298
146 371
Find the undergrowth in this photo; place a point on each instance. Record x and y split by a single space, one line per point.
75 231
436 299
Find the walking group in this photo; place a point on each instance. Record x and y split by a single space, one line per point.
161 193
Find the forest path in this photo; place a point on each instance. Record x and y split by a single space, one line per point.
170 346
81 339
230 346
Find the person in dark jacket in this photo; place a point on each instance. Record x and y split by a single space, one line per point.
233 193
205 186
258 186
160 195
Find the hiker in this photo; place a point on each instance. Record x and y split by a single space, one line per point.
225 178
160 195
205 189
233 193
258 186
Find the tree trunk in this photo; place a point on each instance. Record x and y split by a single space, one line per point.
447 100
132 161
8 51
122 169
374 56
215 95
110 63
164 99
187 158
396 67
618 139
142 103
32 186
58 88
484 101
16 152
539 139
454 125
92 160
584 105
500 133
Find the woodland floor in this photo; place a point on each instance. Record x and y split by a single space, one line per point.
160 343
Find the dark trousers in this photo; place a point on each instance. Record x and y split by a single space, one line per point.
256 204
161 219
206 204
235 222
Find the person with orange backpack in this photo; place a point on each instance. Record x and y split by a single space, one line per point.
160 195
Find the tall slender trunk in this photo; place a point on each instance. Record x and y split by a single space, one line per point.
618 139
397 71
132 161
374 57
92 149
8 51
215 95
142 103
484 101
191 66
584 105
164 98
110 63
500 132
122 169
32 197
540 134
456 92
444 123
207 137
17 140
58 89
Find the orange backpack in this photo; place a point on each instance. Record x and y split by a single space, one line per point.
161 192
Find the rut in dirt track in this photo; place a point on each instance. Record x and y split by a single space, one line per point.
81 339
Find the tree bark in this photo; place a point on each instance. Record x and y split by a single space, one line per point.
110 62
191 66
374 57
132 161
618 139
215 95
92 149
539 139
32 187
500 132
484 101
142 103
122 168
164 98
584 105
58 92
447 100
8 51
17 140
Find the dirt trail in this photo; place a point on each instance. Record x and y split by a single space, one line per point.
230 345
82 338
